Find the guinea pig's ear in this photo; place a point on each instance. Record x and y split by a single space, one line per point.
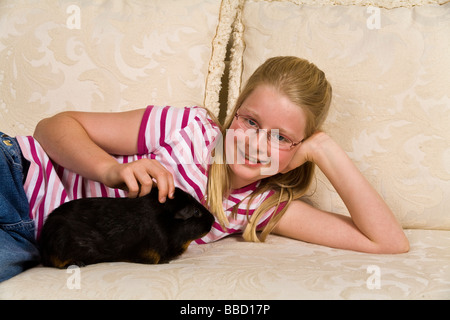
186 213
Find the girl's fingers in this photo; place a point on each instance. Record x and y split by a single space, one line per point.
138 178
132 186
145 181
147 172
164 180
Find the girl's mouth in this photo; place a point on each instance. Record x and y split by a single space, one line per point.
250 160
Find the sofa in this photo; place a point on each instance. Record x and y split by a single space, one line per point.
388 62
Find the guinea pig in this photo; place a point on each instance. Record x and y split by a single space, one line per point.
140 230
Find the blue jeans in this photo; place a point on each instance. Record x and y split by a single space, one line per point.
18 250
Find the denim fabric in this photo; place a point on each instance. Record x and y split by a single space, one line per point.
18 250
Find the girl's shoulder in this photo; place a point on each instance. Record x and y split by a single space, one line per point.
181 116
170 124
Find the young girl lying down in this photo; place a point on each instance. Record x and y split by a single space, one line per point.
250 174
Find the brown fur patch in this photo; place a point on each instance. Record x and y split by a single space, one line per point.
185 245
151 256
58 263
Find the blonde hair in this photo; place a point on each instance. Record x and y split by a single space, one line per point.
306 86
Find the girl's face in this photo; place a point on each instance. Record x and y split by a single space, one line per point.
249 155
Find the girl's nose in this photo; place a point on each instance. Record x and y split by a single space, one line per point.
257 141
263 141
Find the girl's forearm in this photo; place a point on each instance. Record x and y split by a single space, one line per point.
368 210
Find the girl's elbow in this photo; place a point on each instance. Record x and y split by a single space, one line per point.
47 126
401 248
401 243
395 246
40 128
404 246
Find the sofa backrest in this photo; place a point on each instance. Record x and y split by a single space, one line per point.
388 62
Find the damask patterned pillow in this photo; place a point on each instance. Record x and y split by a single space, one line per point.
389 68
107 56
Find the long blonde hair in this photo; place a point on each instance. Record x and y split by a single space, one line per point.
307 87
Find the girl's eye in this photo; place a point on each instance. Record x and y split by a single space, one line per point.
279 138
252 123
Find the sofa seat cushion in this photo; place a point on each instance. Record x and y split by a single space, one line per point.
281 268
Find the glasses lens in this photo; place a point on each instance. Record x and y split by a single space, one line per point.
247 123
274 139
278 142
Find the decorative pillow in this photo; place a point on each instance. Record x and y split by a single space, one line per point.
391 104
107 56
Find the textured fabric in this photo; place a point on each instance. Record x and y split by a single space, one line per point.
278 269
106 55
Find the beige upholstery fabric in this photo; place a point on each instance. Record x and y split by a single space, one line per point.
278 269
105 56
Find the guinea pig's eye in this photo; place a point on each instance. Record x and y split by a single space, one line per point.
197 213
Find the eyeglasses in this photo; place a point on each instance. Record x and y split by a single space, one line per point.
274 138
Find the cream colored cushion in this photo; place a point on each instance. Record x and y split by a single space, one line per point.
107 56
391 105
281 268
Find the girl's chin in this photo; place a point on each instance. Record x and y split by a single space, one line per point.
245 174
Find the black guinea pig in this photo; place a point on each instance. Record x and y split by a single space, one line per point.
141 230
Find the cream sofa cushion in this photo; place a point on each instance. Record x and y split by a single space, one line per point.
391 102
280 268
108 56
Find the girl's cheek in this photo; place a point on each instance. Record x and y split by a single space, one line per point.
284 160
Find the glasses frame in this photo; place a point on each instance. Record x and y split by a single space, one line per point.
293 144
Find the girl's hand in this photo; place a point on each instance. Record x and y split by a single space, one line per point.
309 148
137 178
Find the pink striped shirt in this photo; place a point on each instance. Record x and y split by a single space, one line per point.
181 139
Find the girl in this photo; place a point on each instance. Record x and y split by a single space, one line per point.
122 154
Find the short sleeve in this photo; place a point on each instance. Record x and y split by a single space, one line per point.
269 214
184 134
158 123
